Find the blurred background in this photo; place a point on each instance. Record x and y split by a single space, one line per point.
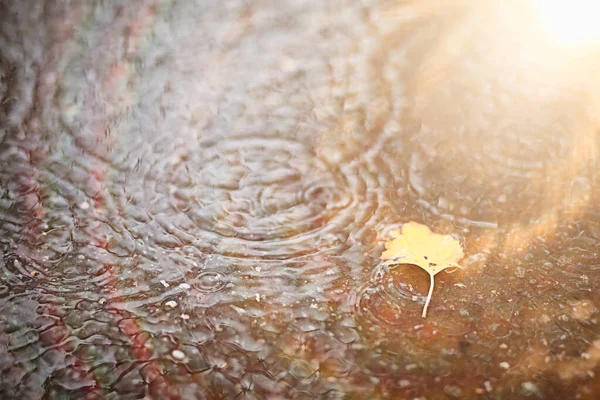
194 196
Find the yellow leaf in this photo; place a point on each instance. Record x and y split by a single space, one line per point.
419 246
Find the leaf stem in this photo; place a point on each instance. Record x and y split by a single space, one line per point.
431 284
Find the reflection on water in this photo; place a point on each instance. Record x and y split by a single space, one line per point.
194 197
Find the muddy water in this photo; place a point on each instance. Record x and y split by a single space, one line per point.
194 196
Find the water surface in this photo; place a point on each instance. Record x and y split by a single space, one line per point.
194 197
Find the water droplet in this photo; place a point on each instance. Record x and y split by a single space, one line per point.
210 281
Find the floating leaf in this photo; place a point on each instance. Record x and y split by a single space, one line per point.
419 246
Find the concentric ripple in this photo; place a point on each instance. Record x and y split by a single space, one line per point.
250 196
482 185
392 301
210 281
260 189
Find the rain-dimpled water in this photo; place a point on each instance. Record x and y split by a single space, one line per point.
195 195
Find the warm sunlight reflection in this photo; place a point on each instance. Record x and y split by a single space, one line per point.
572 22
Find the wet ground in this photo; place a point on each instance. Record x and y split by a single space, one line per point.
194 196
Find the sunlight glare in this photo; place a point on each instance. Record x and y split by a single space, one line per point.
571 22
